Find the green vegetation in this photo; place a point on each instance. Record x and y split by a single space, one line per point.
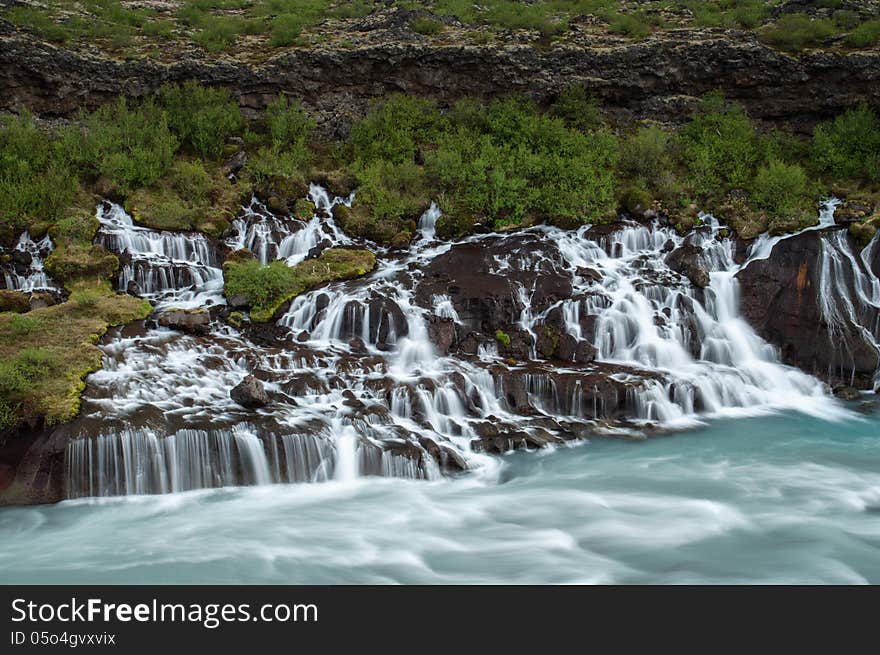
259 26
865 35
46 353
202 118
35 180
129 145
190 197
849 146
796 31
426 26
267 288
502 337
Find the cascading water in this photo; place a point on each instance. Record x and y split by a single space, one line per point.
169 268
402 373
25 271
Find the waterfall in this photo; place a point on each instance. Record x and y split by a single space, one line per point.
169 268
25 272
360 386
849 297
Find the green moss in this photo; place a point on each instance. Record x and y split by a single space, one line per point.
503 338
268 287
44 365
189 197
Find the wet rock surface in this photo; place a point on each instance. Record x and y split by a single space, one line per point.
449 352
803 299
250 393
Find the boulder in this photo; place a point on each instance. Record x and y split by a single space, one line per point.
686 260
852 211
193 321
249 393
782 297
441 332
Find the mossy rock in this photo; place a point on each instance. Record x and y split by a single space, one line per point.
303 209
74 261
744 220
865 230
339 181
787 224
268 288
14 301
60 346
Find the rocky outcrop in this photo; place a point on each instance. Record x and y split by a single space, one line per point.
249 393
793 300
660 77
194 321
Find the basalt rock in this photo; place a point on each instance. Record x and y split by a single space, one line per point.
686 260
783 299
194 321
660 78
249 393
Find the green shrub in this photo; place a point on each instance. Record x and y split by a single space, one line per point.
39 21
426 26
22 324
287 123
849 146
631 25
36 182
394 128
781 189
720 146
202 118
645 154
132 146
577 108
286 29
795 31
865 35
190 179
502 337
8 416
846 19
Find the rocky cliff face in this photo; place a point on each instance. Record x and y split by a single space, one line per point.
658 78
809 299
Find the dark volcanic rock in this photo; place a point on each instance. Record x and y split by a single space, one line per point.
249 393
194 321
441 332
660 78
780 298
486 282
686 260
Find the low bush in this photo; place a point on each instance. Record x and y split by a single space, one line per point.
781 190
201 117
865 35
426 26
36 182
849 145
796 31
720 147
131 145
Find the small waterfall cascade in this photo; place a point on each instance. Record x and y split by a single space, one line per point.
404 372
25 270
169 268
272 237
849 295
